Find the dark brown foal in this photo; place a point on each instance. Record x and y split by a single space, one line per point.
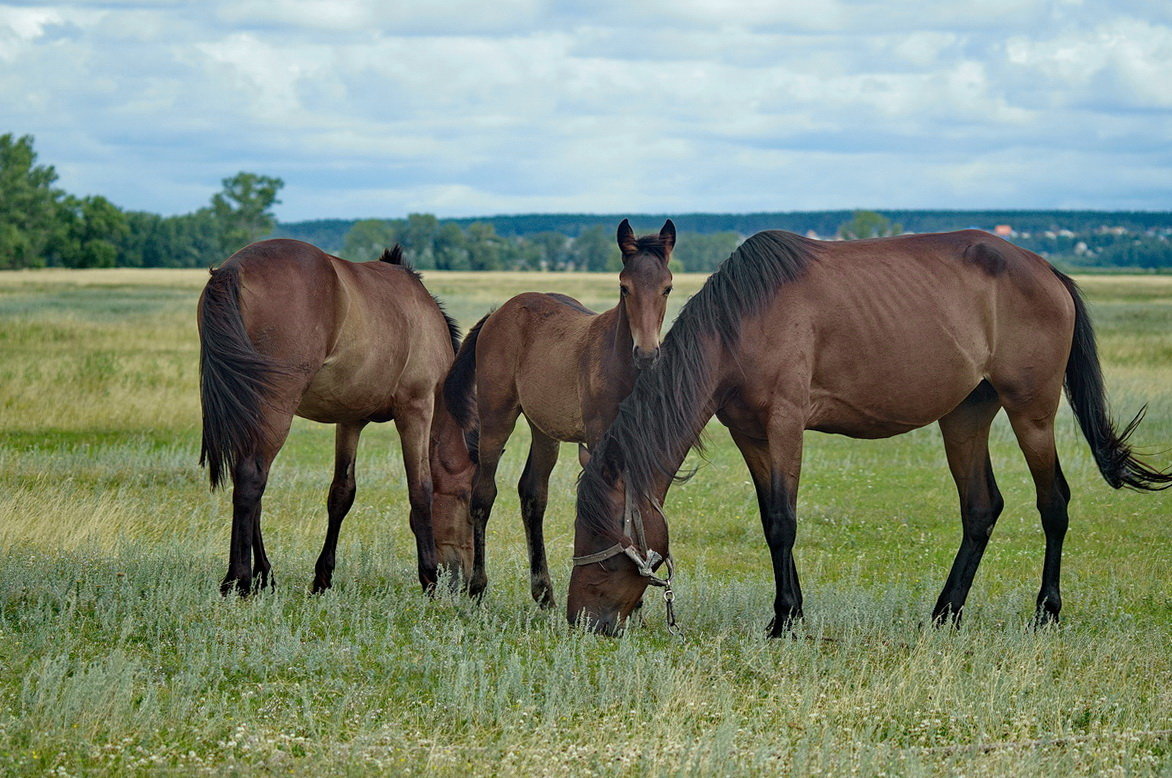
566 369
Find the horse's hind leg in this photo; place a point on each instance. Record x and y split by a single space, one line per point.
966 443
1035 435
533 489
340 499
250 475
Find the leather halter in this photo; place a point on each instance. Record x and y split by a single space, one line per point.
633 530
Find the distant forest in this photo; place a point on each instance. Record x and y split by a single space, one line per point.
42 225
1072 239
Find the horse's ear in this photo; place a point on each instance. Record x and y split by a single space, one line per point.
626 238
667 235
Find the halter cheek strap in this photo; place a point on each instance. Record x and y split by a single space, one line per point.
633 529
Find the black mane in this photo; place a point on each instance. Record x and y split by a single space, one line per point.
666 411
394 256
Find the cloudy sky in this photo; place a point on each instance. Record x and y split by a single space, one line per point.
369 108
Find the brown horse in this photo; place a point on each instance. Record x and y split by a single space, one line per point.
867 339
286 329
566 369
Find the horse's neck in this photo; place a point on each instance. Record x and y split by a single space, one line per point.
449 450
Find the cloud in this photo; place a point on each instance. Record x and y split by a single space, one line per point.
375 109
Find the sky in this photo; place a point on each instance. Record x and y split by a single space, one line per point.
379 109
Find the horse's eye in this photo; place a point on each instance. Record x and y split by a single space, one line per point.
667 291
624 291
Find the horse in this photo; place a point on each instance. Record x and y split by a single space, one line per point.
867 339
566 368
286 329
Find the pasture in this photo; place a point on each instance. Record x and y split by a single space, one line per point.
117 653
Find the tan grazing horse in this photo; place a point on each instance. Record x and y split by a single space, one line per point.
286 329
566 369
867 339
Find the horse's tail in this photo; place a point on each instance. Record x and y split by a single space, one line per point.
1088 397
233 378
460 385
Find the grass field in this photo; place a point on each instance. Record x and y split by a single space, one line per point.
117 653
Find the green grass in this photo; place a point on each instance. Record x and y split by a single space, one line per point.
118 655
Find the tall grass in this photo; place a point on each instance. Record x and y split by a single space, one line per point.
118 655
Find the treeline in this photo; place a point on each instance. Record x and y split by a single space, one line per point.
1081 239
430 243
42 225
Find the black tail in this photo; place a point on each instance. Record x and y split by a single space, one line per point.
233 378
460 385
1088 397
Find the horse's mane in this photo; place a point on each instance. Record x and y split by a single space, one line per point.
394 256
666 411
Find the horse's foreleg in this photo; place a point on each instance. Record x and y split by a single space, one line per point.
414 427
494 432
533 489
340 499
775 467
966 443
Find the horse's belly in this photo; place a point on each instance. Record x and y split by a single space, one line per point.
891 409
562 423
342 393
555 410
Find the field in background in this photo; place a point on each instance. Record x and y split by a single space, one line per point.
117 653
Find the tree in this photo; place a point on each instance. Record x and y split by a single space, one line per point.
594 248
418 238
451 248
485 247
368 238
241 210
28 204
700 253
90 232
868 224
554 250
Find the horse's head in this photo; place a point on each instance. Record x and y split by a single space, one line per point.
452 474
644 285
619 541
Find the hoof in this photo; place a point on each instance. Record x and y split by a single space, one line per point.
1045 618
239 586
477 584
947 617
783 626
543 596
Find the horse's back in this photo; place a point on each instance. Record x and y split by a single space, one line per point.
361 336
530 352
390 350
888 335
